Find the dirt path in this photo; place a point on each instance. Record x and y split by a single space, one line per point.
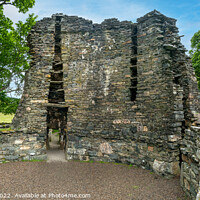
99 180
54 154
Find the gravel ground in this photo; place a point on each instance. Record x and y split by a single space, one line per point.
100 180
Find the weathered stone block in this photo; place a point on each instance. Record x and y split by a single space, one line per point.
11 157
166 169
198 194
150 148
18 141
2 156
25 147
105 148
31 139
2 152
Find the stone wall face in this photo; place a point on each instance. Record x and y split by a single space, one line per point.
190 167
18 146
97 66
129 93
31 113
139 131
156 98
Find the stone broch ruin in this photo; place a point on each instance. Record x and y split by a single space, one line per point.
118 91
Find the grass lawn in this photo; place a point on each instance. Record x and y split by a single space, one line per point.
6 118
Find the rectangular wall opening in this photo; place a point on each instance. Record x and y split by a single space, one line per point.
133 68
56 128
56 110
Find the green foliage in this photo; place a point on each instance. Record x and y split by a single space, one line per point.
22 5
195 53
8 105
14 56
14 52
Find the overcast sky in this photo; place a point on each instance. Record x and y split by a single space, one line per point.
187 12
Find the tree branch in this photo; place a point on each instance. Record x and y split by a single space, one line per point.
6 86
5 3
12 90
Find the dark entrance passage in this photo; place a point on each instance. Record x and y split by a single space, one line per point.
56 127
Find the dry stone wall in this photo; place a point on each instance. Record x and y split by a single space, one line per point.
127 91
18 146
31 113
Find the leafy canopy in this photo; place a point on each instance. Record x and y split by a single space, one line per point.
195 53
8 105
22 5
14 56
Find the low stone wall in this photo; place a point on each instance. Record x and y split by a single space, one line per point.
17 146
198 195
4 125
123 151
190 166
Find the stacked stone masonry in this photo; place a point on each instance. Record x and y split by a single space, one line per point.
127 92
19 145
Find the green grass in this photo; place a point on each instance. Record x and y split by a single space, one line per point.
124 164
84 161
3 162
55 131
33 160
103 162
6 118
135 187
5 129
130 166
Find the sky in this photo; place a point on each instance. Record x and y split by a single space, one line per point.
187 12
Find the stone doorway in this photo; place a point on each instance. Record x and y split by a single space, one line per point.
56 128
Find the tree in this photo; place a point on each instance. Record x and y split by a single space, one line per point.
195 53
8 105
14 56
